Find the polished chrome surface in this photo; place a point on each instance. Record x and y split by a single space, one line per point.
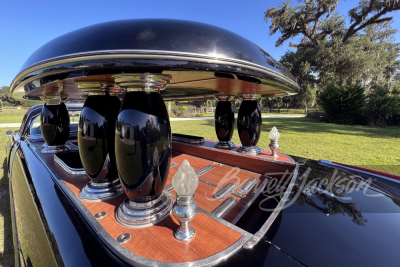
96 87
55 149
249 150
226 206
261 232
226 190
142 81
173 164
204 170
101 190
100 215
248 185
123 238
274 146
225 97
184 211
136 215
224 145
168 187
70 170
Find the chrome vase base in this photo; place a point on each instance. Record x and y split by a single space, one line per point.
137 215
224 145
185 236
101 191
252 150
55 149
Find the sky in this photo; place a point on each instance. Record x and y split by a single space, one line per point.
27 25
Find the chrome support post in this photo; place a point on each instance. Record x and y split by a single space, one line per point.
184 211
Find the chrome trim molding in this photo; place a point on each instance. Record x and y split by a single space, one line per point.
252 150
226 190
70 170
247 186
187 140
260 233
247 205
124 253
146 54
204 170
226 206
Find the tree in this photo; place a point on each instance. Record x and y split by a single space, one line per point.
330 53
316 20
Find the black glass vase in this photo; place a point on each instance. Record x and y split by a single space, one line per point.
96 133
55 127
143 153
224 124
249 124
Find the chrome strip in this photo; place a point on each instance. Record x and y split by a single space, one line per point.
226 190
124 253
226 206
248 204
204 170
147 54
248 185
73 171
260 233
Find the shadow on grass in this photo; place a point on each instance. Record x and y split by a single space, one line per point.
7 257
304 125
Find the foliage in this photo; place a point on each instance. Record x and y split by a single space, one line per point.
343 104
383 107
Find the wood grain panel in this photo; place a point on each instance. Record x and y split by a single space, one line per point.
156 242
251 163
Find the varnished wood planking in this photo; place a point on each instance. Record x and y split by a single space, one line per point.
232 158
156 242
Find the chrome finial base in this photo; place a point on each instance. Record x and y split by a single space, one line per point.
135 215
101 191
224 145
274 146
184 210
254 150
55 149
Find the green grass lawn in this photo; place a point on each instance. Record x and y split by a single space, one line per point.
11 118
370 147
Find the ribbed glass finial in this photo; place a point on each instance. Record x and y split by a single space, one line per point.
185 181
274 134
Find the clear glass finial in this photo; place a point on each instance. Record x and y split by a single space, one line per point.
274 134
185 181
